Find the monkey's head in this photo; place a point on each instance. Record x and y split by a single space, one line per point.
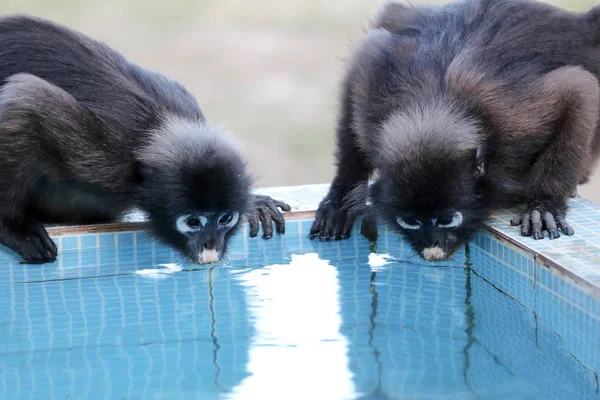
431 186
195 188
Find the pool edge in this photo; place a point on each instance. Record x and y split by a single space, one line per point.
306 199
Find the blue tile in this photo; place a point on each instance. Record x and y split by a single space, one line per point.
567 291
69 243
88 241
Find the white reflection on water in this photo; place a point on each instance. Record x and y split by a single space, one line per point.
160 273
298 351
377 261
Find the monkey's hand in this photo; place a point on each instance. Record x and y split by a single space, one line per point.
538 218
28 237
332 222
264 210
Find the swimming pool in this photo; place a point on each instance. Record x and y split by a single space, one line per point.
118 316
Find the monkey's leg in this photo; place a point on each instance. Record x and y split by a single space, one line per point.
348 192
570 97
35 119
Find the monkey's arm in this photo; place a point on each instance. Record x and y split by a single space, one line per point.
570 97
348 191
366 97
265 210
37 120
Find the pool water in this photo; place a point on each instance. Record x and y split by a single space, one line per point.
119 316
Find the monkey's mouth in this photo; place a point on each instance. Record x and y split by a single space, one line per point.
436 253
209 256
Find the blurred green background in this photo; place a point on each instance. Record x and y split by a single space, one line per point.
268 69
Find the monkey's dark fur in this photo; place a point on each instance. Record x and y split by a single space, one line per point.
86 135
462 109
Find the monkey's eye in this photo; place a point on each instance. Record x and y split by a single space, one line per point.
228 220
190 223
225 219
450 221
408 223
194 222
444 220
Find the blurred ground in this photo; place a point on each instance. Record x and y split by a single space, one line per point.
267 69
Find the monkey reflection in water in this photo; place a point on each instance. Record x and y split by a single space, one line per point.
460 110
86 135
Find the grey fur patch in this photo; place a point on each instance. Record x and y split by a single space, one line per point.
432 125
179 140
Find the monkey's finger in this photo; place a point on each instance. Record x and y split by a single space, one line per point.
284 206
253 222
340 221
329 232
536 225
28 260
277 216
551 226
279 223
526 225
266 222
346 228
516 220
316 227
48 243
319 223
564 226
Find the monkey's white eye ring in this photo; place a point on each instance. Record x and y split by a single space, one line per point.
229 219
413 227
190 223
457 220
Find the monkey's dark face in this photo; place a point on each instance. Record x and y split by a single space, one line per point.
201 236
436 207
436 238
201 214
200 233
205 234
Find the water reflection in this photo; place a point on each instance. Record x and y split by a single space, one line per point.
297 351
287 318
